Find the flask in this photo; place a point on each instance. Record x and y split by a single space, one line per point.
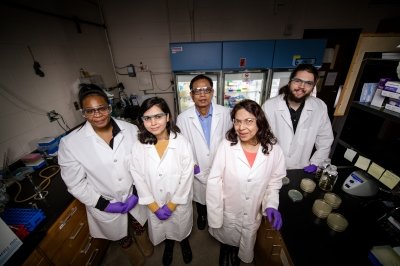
321 168
328 178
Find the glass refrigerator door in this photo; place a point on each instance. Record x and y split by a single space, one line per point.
183 90
279 79
243 85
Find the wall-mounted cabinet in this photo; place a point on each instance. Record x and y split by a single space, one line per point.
196 56
290 53
243 55
237 55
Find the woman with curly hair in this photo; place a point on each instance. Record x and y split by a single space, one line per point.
244 184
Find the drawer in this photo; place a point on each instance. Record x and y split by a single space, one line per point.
72 245
66 226
91 252
37 258
270 249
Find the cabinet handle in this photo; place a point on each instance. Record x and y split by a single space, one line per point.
65 221
77 231
92 256
275 247
87 246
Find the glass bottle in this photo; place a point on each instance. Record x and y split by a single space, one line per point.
321 168
328 178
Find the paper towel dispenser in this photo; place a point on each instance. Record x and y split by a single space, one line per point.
359 183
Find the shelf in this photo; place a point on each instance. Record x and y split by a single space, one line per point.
382 112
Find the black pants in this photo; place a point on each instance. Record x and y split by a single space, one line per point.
201 209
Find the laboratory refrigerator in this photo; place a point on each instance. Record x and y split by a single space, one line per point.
242 85
182 80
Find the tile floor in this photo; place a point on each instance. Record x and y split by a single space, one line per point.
205 251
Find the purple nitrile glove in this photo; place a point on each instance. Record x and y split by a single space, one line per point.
115 207
130 203
196 169
275 216
163 213
311 169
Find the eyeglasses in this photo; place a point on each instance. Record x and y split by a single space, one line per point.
306 83
247 122
101 110
205 90
157 117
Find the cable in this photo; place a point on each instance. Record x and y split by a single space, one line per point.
43 185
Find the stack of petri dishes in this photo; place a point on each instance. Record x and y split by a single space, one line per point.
333 200
321 209
307 185
337 222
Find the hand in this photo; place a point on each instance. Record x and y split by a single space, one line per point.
163 213
275 215
311 169
196 169
116 207
130 203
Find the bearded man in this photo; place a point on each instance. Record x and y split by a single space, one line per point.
300 121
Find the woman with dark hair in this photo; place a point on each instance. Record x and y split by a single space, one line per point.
94 161
162 167
245 178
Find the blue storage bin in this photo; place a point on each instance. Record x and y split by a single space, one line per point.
30 218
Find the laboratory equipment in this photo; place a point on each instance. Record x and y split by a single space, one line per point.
359 183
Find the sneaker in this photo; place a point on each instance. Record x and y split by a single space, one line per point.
168 252
136 257
186 251
144 244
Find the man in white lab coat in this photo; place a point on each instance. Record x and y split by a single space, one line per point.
300 121
204 125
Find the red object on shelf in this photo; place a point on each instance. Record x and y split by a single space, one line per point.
20 230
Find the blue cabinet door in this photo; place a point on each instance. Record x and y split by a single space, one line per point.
196 56
238 55
290 53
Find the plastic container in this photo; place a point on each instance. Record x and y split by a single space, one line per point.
48 145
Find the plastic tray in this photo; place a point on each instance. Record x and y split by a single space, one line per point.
30 218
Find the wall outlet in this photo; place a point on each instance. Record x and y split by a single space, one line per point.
52 115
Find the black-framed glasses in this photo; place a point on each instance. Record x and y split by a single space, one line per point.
101 110
156 117
247 122
205 90
306 83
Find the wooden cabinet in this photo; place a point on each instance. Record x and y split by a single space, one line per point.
270 249
68 241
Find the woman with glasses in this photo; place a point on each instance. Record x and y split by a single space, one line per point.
246 177
94 160
300 121
163 172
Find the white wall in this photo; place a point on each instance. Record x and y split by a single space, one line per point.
139 31
61 51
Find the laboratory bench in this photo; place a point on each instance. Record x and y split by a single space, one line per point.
63 235
310 241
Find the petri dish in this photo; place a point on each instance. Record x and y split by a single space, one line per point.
285 180
295 195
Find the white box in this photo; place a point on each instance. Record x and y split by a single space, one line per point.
9 242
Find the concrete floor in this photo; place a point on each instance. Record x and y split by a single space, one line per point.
205 251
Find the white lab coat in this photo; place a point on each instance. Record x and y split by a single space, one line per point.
190 126
313 128
238 194
165 179
90 168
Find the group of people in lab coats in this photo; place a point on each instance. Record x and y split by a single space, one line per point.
230 162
